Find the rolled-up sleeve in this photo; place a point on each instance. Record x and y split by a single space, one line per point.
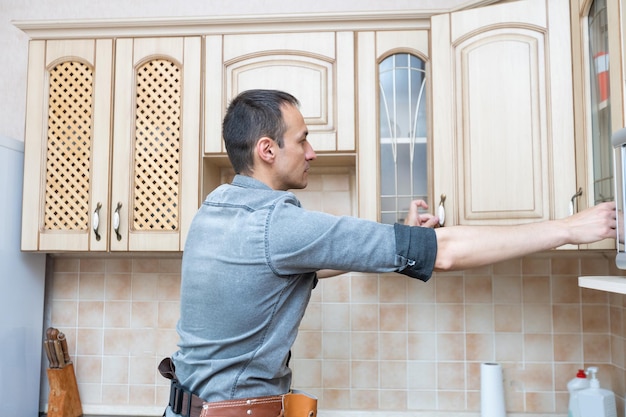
417 249
299 241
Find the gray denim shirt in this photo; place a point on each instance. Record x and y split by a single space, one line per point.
248 269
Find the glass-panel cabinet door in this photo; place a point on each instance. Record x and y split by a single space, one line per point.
402 134
600 105
597 52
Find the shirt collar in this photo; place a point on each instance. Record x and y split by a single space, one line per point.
249 182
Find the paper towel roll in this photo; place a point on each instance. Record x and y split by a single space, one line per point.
491 390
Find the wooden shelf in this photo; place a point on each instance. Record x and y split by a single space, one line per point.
615 284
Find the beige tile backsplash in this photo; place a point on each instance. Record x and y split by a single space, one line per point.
367 342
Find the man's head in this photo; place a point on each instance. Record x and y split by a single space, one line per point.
265 137
250 116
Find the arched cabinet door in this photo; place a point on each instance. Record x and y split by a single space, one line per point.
154 179
317 68
503 144
389 90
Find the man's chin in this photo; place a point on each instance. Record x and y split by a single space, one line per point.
300 186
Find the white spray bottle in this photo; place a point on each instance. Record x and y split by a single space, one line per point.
595 401
574 386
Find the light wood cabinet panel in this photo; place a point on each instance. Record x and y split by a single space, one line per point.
503 149
111 166
317 68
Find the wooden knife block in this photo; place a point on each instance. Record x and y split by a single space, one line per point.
63 400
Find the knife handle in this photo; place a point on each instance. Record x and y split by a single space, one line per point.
59 353
46 348
66 354
54 363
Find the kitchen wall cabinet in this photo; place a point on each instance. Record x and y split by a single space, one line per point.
316 67
500 137
112 144
502 128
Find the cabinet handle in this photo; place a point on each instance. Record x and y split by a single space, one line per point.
95 222
441 210
572 202
116 221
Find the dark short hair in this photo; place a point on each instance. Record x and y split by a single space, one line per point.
250 116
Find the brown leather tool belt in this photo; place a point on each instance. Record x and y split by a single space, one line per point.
188 404
261 407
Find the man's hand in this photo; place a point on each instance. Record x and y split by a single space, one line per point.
593 224
414 218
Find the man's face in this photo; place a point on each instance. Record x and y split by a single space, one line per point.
292 161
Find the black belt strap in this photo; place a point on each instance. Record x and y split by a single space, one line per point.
182 401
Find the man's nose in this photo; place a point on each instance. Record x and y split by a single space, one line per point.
310 153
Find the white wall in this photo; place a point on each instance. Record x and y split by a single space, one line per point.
14 43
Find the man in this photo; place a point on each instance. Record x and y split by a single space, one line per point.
253 255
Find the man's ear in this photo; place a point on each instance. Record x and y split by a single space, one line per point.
265 149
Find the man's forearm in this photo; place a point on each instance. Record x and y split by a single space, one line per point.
463 247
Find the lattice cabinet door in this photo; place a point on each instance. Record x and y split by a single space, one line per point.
154 188
67 141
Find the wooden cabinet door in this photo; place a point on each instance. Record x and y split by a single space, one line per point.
317 68
502 113
67 145
154 176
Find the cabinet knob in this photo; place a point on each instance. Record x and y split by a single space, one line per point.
95 221
116 221
441 210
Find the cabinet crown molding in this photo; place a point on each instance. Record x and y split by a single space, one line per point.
206 25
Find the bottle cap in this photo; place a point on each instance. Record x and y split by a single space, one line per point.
581 374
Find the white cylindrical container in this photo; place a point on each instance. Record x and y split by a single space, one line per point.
491 390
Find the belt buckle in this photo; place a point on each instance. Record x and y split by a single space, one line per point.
177 395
